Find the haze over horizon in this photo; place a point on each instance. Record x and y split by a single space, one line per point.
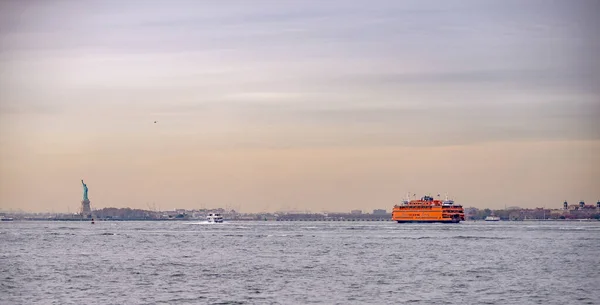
304 105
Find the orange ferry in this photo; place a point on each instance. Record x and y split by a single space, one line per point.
427 209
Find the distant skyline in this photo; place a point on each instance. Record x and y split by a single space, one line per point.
305 105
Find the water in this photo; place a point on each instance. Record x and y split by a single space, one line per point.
299 263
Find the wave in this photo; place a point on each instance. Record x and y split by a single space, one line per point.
478 237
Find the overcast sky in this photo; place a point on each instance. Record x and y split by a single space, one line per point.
306 105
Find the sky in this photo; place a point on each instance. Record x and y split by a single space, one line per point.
298 105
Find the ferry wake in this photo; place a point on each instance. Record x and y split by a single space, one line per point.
427 209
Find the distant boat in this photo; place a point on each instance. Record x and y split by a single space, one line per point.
492 218
4 218
214 218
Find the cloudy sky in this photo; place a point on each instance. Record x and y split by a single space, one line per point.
298 105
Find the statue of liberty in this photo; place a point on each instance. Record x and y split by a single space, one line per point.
85 191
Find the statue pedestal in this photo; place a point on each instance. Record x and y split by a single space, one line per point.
86 211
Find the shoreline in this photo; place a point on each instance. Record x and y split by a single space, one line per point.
290 220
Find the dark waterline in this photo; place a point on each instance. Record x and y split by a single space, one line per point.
188 262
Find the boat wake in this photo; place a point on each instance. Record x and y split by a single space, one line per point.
202 223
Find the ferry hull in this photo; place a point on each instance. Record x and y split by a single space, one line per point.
431 216
429 221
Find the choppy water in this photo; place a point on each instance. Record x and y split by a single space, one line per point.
299 263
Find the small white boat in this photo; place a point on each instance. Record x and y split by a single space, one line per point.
492 218
214 218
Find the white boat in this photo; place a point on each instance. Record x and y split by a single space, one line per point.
214 218
492 218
